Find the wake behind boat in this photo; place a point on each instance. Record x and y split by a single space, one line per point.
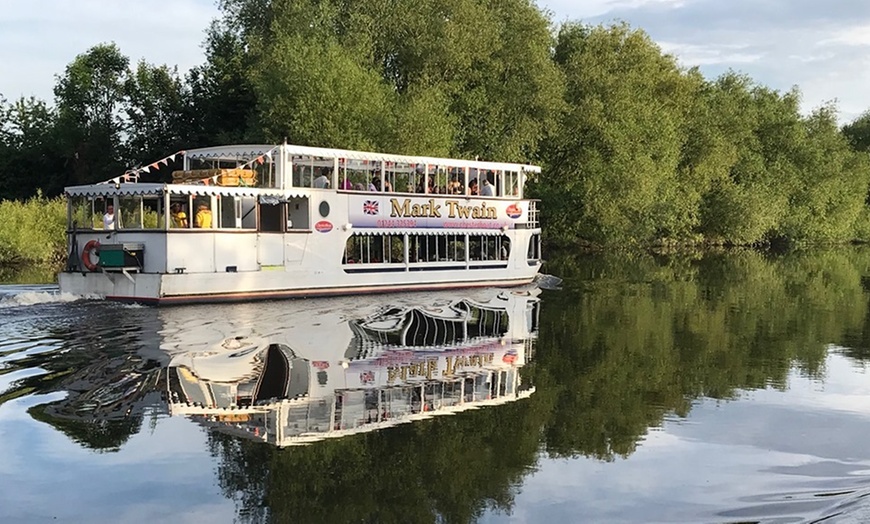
259 221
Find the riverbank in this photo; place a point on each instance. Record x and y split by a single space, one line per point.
32 232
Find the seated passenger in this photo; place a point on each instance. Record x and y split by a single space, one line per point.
179 217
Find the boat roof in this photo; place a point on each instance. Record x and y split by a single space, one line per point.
139 189
234 152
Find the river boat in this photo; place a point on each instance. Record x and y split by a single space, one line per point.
245 222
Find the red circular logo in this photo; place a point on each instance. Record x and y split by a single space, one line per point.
514 211
324 226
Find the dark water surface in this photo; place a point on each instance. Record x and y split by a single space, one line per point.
719 388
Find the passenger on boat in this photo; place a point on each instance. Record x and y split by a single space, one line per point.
109 217
347 183
472 187
487 189
321 182
203 217
179 217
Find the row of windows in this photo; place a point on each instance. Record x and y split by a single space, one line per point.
391 249
186 212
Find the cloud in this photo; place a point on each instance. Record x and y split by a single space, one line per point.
41 37
819 47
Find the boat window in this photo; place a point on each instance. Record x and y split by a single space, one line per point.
534 252
487 247
179 212
229 212
512 183
374 249
307 171
356 175
86 212
138 212
272 218
248 207
399 177
436 248
203 218
324 209
297 214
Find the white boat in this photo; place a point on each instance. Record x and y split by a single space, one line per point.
276 221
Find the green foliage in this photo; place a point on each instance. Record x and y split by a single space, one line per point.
315 93
612 167
89 97
33 231
858 133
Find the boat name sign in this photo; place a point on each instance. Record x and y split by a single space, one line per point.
383 211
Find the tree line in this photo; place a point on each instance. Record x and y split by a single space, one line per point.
635 148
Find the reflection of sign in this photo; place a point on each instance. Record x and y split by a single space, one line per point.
424 212
324 226
320 364
367 377
514 211
428 369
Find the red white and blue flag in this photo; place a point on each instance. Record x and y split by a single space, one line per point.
370 207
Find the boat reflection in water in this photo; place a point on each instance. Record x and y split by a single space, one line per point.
338 376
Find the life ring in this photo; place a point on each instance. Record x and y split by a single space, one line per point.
92 245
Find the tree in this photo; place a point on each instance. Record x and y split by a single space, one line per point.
858 132
30 159
158 116
221 90
89 97
612 168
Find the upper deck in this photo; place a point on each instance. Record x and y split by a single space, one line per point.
289 166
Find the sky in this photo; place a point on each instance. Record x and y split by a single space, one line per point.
821 47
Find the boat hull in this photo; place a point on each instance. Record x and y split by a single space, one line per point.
171 289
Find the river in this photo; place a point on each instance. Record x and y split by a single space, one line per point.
724 387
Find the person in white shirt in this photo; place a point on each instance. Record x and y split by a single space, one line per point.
109 217
486 189
321 182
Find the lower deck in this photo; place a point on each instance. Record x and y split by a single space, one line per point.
160 267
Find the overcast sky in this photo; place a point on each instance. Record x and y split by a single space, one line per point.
822 47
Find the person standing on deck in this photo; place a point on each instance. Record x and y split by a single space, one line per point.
109 217
203 217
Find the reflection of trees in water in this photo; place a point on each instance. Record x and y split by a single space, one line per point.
635 338
93 356
447 469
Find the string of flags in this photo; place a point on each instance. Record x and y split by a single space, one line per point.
132 175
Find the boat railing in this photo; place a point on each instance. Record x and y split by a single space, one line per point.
534 221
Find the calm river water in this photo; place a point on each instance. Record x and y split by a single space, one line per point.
722 388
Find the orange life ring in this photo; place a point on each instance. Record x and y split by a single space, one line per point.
92 245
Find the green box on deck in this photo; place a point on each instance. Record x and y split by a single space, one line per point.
118 256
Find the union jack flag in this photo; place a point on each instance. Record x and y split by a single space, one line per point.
370 207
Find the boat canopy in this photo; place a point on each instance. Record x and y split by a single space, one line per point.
140 189
233 153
